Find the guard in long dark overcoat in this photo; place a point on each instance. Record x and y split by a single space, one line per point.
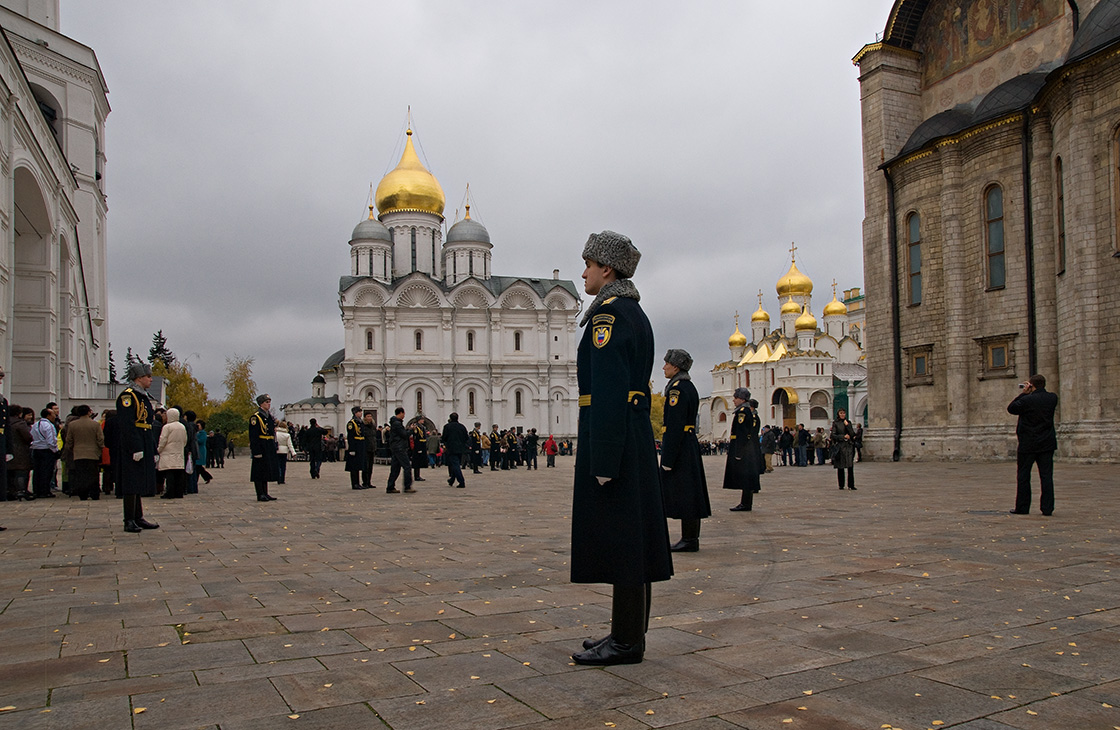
619 535
135 460
355 447
744 455
683 484
262 445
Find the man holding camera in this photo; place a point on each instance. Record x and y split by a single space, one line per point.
1038 440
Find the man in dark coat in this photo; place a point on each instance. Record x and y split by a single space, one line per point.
419 446
355 447
373 441
495 448
398 453
744 456
262 445
1038 441
842 436
313 445
455 447
135 459
474 441
619 535
683 484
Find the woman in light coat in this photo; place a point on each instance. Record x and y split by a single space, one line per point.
284 449
172 456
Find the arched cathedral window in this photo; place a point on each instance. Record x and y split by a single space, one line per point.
1060 214
369 339
993 234
419 338
470 341
914 256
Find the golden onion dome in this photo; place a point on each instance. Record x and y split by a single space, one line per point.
791 307
835 307
760 315
409 186
806 321
794 283
737 339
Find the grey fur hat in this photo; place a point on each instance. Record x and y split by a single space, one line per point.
138 370
742 394
614 250
679 359
262 398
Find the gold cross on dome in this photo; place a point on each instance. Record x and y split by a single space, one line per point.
793 251
760 299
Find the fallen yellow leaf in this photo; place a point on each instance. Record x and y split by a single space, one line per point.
807 692
293 717
490 702
329 685
138 710
102 661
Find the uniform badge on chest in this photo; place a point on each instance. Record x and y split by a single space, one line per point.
601 335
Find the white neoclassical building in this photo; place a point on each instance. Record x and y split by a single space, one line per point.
53 105
428 326
802 371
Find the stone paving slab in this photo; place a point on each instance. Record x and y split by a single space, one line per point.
914 602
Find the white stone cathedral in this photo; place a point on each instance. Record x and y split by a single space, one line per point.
53 209
427 325
799 372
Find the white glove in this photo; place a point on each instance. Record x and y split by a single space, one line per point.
9 457
138 456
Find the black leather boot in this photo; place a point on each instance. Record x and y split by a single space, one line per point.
626 643
690 537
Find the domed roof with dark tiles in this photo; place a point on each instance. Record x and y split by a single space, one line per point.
371 229
1010 96
468 230
334 360
939 125
1100 28
318 379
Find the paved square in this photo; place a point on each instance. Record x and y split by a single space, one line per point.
914 602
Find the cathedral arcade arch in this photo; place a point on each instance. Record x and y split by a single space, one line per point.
33 320
784 405
819 406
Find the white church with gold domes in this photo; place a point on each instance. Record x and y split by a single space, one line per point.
428 326
801 371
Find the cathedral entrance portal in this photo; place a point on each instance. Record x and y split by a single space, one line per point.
787 399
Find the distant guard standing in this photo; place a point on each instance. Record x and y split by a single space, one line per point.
262 445
744 456
355 447
619 535
683 484
136 458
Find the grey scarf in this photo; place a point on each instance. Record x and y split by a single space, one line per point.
682 375
618 288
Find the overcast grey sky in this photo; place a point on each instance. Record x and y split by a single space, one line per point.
244 137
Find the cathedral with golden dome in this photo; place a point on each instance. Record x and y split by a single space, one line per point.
428 326
800 371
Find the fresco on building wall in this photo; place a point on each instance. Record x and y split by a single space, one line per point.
957 34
